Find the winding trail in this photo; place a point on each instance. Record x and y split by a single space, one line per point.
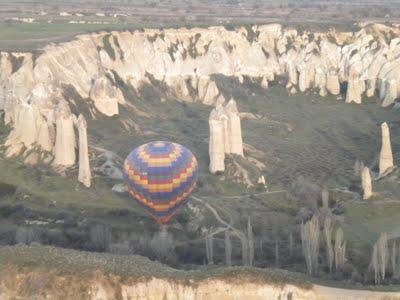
331 293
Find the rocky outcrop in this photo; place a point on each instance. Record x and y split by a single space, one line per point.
84 175
225 135
64 148
386 156
217 140
366 183
98 68
234 142
110 276
185 60
106 97
332 83
46 136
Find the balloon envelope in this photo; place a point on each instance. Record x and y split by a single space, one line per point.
160 176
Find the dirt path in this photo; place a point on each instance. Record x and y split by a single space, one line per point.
330 293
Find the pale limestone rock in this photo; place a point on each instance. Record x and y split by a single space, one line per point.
179 87
32 158
390 92
261 180
119 188
216 143
225 135
366 183
365 60
220 100
14 150
386 156
64 148
27 124
292 73
211 94
223 117
26 120
84 175
332 83
5 72
264 82
234 129
46 136
371 86
355 89
306 76
106 97
358 167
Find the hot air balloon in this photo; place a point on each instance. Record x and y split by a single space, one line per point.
160 176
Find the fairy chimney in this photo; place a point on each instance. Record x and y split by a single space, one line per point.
64 148
234 129
366 183
216 143
386 156
84 175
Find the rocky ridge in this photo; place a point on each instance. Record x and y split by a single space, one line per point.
33 87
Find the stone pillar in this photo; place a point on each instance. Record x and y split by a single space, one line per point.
45 139
386 156
332 83
84 167
366 183
64 148
216 143
234 128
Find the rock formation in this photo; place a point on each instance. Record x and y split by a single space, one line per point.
261 180
225 135
186 62
386 156
106 96
366 183
217 141
234 129
332 83
46 136
84 175
64 148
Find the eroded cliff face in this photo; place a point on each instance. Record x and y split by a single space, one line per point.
98 286
184 61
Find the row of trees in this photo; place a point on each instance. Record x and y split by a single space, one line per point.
310 240
385 258
320 232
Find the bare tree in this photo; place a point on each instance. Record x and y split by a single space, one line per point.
328 228
100 236
228 249
383 254
277 261
395 260
250 240
162 244
27 235
325 199
310 244
241 235
380 258
375 263
291 243
340 249
210 249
